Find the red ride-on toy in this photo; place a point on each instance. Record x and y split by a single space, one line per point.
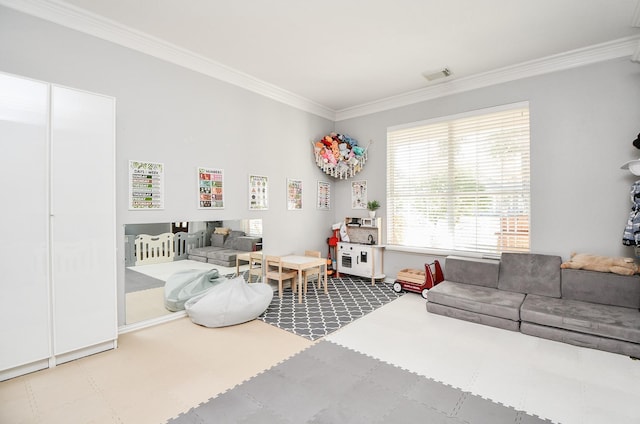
417 281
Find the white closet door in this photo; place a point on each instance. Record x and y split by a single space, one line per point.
24 314
83 219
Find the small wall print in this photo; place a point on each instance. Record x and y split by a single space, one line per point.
359 195
324 196
146 185
258 192
294 194
210 188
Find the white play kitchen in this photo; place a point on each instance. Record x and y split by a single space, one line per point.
361 255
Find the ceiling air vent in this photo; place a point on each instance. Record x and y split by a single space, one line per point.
442 73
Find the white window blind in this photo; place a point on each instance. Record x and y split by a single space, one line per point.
461 183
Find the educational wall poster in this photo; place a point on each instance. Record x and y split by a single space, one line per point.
146 185
359 195
294 194
258 192
210 188
324 195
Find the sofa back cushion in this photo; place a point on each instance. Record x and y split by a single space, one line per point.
479 272
530 273
230 242
601 287
217 240
247 243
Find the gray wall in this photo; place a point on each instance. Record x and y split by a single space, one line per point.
184 119
582 124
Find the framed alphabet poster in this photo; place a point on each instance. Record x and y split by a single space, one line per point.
210 188
294 194
146 185
324 196
258 192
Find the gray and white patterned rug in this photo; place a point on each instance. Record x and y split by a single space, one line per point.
349 298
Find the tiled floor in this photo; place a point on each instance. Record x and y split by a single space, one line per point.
158 372
552 380
155 374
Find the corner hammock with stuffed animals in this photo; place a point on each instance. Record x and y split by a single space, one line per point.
339 155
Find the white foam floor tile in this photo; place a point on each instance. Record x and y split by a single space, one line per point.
617 404
501 381
556 381
605 409
555 397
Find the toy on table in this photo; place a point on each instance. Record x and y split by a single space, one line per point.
417 281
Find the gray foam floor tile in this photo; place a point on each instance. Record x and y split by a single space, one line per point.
387 376
263 416
417 412
231 406
478 410
531 419
439 396
328 383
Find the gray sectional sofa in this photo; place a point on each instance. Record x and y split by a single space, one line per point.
531 294
225 248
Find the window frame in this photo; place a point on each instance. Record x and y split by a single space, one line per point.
522 227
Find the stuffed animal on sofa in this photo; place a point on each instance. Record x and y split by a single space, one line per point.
622 266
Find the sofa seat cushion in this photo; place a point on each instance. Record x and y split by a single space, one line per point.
607 344
202 251
221 262
474 317
223 254
197 258
480 299
615 322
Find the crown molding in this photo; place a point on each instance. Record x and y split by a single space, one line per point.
80 20
601 52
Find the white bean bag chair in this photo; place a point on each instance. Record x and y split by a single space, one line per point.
183 285
231 302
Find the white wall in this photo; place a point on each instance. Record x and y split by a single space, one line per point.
582 124
168 114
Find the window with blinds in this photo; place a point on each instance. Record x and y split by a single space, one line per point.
461 183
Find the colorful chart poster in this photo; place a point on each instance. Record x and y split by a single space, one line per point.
258 192
210 188
359 195
294 194
146 185
324 195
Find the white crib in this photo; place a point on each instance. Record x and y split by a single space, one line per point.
145 249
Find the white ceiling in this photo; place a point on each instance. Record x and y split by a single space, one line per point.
342 54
